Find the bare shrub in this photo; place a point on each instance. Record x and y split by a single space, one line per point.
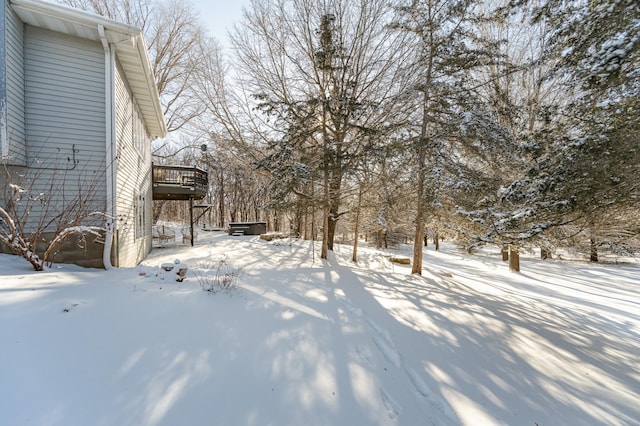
218 277
40 208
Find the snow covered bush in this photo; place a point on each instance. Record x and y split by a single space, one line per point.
220 276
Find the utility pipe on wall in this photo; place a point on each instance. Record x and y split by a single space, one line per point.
111 160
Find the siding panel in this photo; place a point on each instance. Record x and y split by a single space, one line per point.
15 88
133 177
65 116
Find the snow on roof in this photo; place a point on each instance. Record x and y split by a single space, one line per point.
127 40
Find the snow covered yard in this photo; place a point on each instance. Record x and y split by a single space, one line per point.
320 343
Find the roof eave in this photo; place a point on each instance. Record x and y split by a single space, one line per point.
125 38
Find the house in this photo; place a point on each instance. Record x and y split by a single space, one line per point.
79 105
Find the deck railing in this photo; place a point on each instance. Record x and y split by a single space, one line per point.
180 180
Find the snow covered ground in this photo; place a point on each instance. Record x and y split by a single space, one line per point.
309 342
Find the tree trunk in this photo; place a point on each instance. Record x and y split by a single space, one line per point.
334 204
221 211
326 193
314 231
313 212
416 268
436 241
324 251
331 231
417 248
157 208
505 253
354 257
305 223
545 253
593 250
514 259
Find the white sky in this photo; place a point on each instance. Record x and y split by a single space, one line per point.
220 15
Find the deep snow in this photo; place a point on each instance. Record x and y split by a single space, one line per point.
312 342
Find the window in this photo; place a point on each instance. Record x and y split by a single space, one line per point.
139 132
140 211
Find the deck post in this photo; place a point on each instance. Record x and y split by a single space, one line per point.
191 217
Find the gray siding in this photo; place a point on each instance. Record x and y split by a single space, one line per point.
133 184
15 131
3 81
65 115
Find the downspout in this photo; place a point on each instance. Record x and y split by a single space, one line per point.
111 160
4 142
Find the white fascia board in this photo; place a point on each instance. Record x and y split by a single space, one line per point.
126 39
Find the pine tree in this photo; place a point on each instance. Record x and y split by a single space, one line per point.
581 149
587 161
322 75
447 48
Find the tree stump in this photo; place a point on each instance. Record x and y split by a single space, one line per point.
514 259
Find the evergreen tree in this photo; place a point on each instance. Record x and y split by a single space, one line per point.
447 48
321 74
581 148
586 159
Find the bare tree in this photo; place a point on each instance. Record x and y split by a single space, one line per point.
136 12
323 75
173 32
41 211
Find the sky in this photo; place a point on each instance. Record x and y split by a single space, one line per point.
220 15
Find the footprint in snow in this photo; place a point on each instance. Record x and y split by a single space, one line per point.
71 307
418 383
379 330
364 356
389 353
384 342
435 402
393 409
349 307
356 311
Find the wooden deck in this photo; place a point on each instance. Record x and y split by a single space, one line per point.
179 183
